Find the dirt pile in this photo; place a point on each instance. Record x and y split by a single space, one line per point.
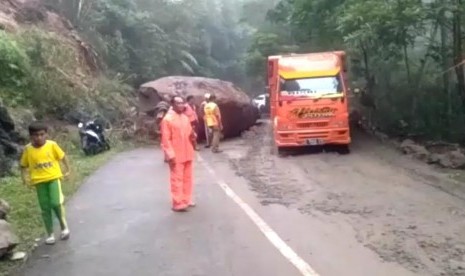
443 154
237 109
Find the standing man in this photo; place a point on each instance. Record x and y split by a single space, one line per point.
213 120
161 109
202 112
191 113
177 144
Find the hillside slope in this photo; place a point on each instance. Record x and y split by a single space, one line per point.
48 71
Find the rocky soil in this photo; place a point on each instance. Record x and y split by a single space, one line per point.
402 209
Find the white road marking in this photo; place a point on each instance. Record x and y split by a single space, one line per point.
304 268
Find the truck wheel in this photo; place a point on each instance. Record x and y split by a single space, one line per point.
275 150
344 149
282 152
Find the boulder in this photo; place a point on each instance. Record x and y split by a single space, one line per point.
8 240
418 151
236 107
4 209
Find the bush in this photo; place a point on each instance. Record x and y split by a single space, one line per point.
15 69
45 71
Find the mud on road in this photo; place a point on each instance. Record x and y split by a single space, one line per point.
407 212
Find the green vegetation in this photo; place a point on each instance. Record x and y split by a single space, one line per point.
43 71
407 54
25 214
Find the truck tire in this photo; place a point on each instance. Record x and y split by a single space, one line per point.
282 152
344 149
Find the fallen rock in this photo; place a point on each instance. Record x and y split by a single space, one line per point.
4 209
237 109
452 160
17 256
9 138
8 240
418 151
381 136
434 158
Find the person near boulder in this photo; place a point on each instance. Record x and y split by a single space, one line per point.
212 117
161 109
191 113
202 114
177 144
40 167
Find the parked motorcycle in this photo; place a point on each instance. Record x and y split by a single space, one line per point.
93 140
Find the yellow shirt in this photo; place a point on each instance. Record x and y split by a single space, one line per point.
44 162
211 111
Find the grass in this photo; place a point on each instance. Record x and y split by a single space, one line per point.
25 213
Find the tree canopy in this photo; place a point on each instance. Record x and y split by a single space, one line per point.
406 54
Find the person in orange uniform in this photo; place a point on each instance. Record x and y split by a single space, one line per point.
191 113
212 117
177 144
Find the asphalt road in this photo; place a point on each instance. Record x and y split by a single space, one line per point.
370 213
122 224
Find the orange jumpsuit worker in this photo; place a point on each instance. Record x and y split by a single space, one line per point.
191 113
177 137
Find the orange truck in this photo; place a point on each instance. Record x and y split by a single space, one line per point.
309 99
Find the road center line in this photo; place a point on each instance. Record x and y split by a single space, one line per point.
304 268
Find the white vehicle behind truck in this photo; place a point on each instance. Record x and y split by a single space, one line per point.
260 102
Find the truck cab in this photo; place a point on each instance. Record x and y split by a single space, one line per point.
308 99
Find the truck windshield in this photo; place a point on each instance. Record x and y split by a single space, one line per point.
311 87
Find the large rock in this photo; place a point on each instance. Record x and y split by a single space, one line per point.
8 240
237 109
